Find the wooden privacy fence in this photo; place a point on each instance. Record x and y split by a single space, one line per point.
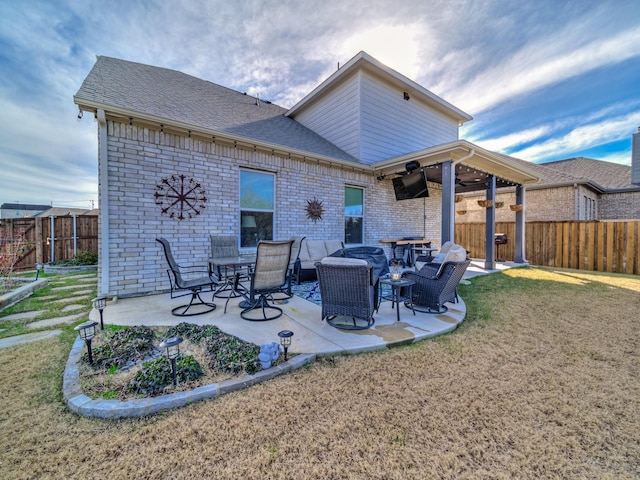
603 246
36 243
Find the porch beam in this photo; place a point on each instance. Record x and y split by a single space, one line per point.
519 256
447 232
490 222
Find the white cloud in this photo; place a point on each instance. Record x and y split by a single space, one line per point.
582 137
512 140
544 62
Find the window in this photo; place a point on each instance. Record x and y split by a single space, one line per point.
353 215
257 203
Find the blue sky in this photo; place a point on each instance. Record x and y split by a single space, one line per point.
544 80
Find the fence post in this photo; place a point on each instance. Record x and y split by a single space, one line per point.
39 250
75 237
52 232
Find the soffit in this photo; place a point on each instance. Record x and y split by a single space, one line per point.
475 163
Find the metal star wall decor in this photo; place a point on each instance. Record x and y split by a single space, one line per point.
179 197
314 209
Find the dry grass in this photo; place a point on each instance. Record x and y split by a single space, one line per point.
541 381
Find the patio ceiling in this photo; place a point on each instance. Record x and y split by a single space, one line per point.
475 164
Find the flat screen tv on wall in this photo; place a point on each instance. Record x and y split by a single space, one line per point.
411 185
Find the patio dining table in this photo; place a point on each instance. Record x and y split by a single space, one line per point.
408 246
232 268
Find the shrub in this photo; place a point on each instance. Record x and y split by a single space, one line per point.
123 346
154 376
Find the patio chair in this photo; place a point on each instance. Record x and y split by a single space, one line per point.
224 246
348 289
434 288
293 272
268 277
195 279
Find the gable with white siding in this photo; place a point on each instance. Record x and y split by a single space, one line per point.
373 113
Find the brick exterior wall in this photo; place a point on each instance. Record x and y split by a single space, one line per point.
139 158
620 206
556 204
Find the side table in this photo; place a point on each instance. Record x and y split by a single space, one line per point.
396 297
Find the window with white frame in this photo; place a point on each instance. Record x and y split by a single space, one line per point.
353 215
257 207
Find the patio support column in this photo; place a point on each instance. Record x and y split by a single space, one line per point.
103 200
519 256
447 232
490 246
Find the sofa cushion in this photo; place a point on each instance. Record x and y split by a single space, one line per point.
343 261
312 251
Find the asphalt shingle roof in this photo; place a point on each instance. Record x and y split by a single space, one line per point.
176 96
606 174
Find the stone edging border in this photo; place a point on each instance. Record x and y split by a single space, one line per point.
14 296
81 404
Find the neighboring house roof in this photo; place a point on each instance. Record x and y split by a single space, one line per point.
610 176
62 211
163 95
23 206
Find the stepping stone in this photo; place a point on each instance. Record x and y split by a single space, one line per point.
72 307
23 315
79 292
85 275
27 338
57 321
70 299
48 297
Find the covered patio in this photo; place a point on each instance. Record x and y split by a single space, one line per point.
462 167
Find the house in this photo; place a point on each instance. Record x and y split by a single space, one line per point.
571 189
64 211
21 210
182 158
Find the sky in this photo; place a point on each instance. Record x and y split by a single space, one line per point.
544 80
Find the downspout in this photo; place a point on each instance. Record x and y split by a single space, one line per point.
471 153
103 180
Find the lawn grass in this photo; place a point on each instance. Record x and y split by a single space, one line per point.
540 381
50 302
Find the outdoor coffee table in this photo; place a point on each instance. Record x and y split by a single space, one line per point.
395 296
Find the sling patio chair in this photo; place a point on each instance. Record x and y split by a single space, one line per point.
267 278
195 279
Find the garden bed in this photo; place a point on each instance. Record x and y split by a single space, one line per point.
129 363
61 269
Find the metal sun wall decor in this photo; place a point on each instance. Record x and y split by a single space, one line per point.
179 197
314 209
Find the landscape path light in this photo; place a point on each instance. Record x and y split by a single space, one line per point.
285 341
39 267
99 304
171 346
87 331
